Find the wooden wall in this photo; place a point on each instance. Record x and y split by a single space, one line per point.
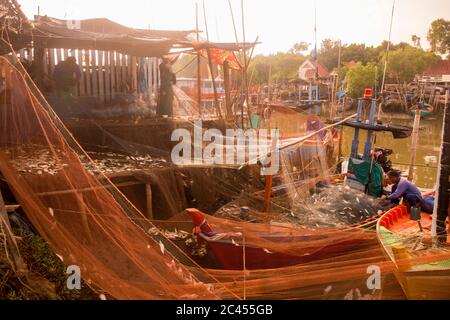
108 74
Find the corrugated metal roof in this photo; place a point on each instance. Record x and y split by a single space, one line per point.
439 69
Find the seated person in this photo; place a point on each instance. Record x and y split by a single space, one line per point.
409 192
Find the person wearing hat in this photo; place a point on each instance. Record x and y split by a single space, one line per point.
166 94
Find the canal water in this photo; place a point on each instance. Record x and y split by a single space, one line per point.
425 171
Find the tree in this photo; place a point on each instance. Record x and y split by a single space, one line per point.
284 67
299 48
439 36
329 53
405 64
359 78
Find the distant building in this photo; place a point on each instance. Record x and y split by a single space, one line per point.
189 86
438 72
307 71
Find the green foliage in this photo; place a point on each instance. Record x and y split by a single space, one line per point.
406 63
46 277
359 78
439 36
299 48
284 67
42 261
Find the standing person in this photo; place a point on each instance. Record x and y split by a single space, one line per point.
267 115
409 192
166 94
66 75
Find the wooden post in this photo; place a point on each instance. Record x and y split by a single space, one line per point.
89 72
107 77
414 142
268 193
18 264
82 90
211 71
52 63
442 202
124 74
101 77
119 78
134 79
227 87
148 193
112 66
94 74
199 67
59 55
40 66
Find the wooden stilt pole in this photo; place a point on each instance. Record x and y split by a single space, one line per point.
199 61
226 81
441 210
148 193
415 140
268 193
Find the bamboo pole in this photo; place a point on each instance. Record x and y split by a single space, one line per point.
386 62
226 81
17 264
415 140
199 67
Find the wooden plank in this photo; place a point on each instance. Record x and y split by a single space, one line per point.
12 208
45 74
112 66
94 74
58 55
149 206
124 73
149 78
155 76
88 76
118 72
101 76
18 264
82 84
51 61
134 73
107 77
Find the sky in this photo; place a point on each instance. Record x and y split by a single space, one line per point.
278 23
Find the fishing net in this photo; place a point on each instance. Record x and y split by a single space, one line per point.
88 222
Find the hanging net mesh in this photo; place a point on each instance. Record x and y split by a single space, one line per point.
88 222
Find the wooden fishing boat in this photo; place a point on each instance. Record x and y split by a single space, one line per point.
228 248
419 281
426 110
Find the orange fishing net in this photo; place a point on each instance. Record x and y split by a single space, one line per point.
88 222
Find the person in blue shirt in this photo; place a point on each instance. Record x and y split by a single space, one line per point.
402 188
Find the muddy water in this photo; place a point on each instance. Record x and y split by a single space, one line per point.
425 172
